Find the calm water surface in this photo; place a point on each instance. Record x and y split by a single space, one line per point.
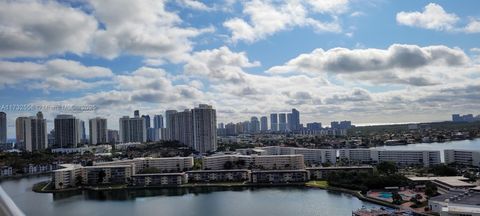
289 201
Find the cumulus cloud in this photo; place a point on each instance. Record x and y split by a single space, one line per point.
153 32
329 6
396 64
41 28
268 17
473 26
433 17
219 65
59 74
193 4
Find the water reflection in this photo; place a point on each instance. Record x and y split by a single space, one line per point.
132 194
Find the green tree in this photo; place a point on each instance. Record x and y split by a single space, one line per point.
387 167
431 189
396 198
443 170
101 176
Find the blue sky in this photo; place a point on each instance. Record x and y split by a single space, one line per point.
367 61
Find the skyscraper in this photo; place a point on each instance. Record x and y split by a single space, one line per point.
158 121
20 132
231 129
274 122
204 128
132 129
82 132
35 133
170 123
98 130
254 125
289 122
282 122
67 131
295 120
263 123
113 136
3 127
136 114
147 120
184 127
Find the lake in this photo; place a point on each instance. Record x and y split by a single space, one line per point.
281 201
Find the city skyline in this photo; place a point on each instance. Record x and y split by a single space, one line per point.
374 62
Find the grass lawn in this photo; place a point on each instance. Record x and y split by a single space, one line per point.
317 184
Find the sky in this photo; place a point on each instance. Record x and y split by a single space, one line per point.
369 61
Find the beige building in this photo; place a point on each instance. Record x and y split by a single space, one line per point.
254 162
167 164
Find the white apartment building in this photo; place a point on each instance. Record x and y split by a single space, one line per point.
357 155
167 164
400 157
463 157
217 162
278 162
268 162
311 156
66 177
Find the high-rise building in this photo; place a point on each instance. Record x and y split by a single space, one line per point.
184 127
147 127
158 121
136 114
231 129
20 132
204 128
35 133
334 125
263 123
294 120
98 130
67 131
147 120
82 132
274 122
3 127
282 122
254 125
170 123
113 136
314 126
133 129
289 121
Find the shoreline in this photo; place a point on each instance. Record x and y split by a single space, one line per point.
354 193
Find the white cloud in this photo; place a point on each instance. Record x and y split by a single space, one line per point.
268 17
193 4
59 74
433 17
41 28
154 32
473 26
402 64
219 64
329 6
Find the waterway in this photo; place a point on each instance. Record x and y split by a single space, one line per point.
280 201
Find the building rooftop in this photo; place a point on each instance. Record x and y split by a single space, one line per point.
454 181
460 197
344 167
